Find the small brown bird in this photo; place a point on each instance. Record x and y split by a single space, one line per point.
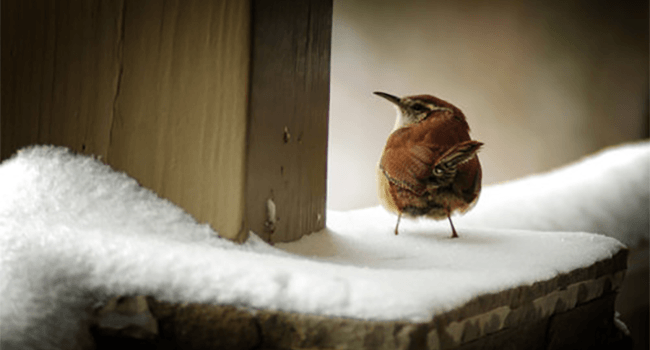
429 166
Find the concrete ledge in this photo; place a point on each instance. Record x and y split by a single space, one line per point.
573 310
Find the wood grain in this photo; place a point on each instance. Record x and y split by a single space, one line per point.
191 98
60 62
157 89
287 149
180 113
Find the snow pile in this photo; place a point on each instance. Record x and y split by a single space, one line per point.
606 193
73 233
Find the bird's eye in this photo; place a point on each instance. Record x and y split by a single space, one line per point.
419 108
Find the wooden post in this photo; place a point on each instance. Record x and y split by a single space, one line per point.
185 96
287 138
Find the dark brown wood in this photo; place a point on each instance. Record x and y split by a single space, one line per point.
588 326
289 103
60 63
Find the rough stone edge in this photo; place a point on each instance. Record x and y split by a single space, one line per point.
521 295
525 304
456 333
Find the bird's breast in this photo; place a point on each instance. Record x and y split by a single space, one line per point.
386 198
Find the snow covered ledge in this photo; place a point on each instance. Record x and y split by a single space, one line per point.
546 315
75 235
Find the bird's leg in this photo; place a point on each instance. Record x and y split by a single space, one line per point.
399 217
453 230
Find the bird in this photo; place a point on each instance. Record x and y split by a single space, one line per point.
429 166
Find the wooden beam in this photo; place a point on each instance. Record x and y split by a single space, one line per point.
212 110
157 89
60 62
287 137
180 110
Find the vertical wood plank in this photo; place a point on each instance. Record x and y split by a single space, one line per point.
287 137
59 73
158 89
180 121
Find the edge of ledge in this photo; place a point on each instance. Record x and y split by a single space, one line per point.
196 325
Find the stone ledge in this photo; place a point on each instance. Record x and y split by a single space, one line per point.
544 315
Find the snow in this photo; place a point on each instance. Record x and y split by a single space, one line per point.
606 193
74 233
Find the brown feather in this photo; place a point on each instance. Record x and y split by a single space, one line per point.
429 166
413 151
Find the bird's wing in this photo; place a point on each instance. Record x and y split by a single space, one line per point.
409 165
420 167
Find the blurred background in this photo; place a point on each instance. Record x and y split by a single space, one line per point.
542 83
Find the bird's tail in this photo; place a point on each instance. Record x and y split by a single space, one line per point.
460 153
445 167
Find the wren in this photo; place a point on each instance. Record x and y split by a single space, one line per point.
429 166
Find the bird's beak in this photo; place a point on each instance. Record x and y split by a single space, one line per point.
394 99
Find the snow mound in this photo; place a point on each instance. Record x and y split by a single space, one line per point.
606 193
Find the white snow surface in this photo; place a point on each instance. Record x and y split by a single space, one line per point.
74 232
606 193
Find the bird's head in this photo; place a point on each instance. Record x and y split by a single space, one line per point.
414 109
